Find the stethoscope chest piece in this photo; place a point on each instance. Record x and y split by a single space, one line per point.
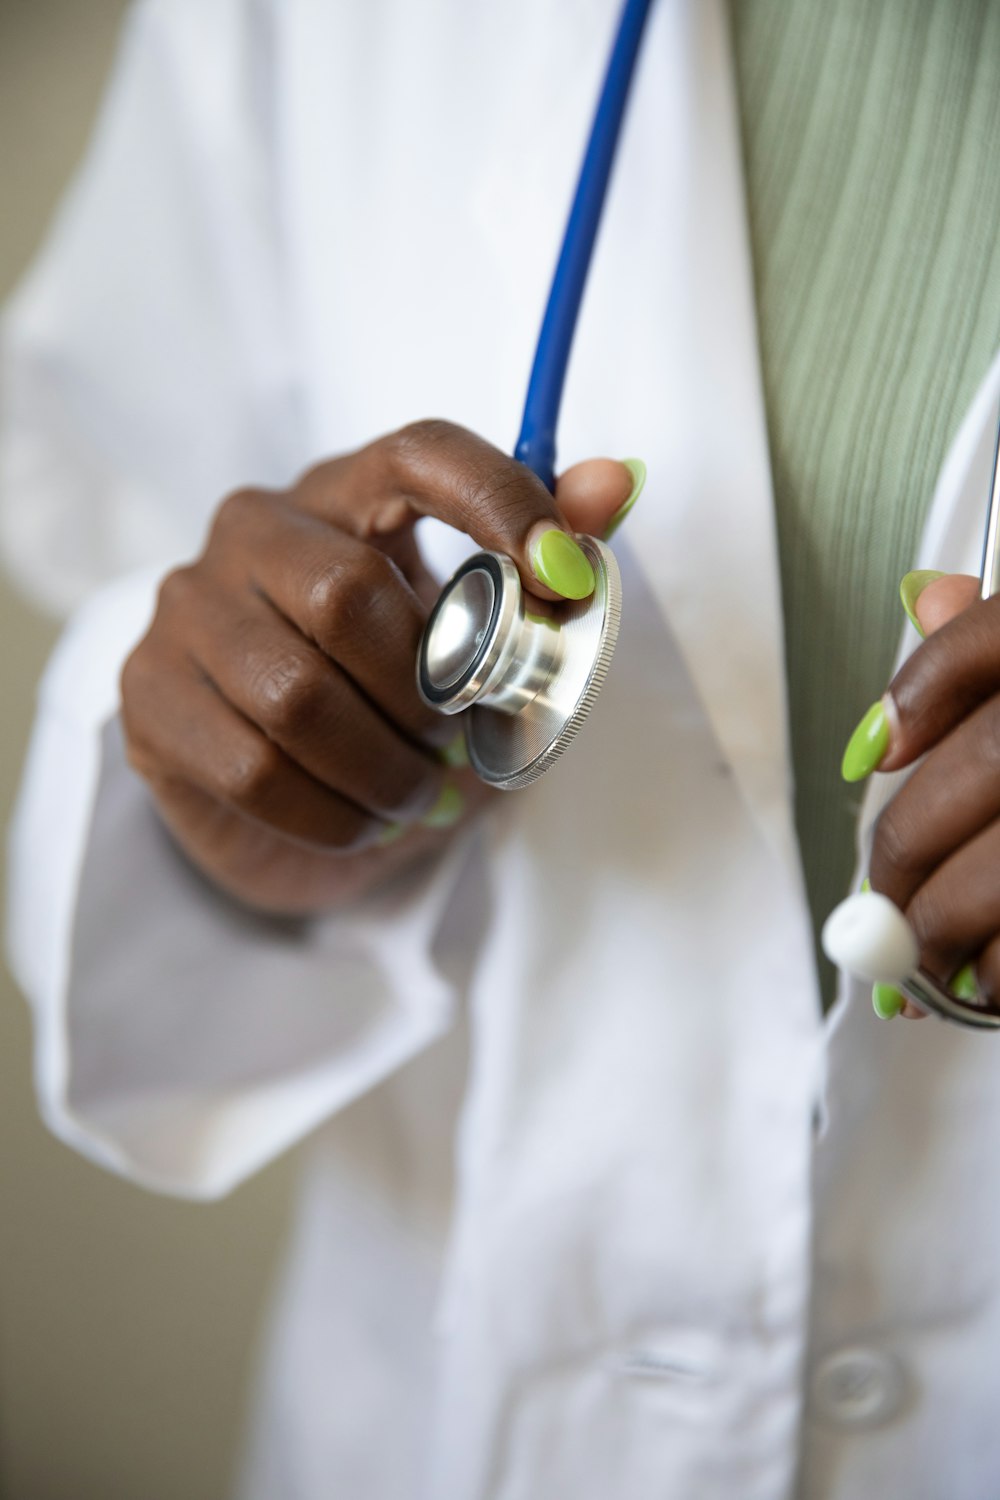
526 675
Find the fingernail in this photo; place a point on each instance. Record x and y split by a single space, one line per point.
910 590
964 984
455 754
637 469
887 1002
446 810
559 563
390 833
867 744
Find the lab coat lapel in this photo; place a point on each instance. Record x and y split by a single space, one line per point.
706 534
670 299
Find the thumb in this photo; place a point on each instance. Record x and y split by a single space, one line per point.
595 496
931 599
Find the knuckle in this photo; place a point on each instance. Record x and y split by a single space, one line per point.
141 759
318 475
894 856
323 593
288 696
140 689
496 491
416 439
234 514
132 720
928 915
342 599
145 696
411 449
134 677
314 483
176 591
249 776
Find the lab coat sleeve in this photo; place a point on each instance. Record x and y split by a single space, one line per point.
148 359
179 1039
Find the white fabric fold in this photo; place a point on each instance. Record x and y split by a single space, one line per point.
585 1256
182 1040
146 356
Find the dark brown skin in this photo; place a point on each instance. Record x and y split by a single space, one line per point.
272 706
937 845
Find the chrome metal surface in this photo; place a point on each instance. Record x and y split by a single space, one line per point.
528 673
936 1000
459 628
472 631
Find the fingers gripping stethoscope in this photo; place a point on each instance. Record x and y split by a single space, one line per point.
870 937
525 682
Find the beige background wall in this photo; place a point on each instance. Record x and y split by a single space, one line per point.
126 1321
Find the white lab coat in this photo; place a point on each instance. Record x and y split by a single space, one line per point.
597 1202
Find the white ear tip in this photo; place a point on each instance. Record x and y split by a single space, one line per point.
868 936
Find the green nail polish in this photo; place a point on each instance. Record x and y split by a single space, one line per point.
637 469
867 744
964 984
910 590
390 833
887 1002
446 810
561 565
455 754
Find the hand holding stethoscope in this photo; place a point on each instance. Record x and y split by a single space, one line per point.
273 707
935 860
935 865
273 710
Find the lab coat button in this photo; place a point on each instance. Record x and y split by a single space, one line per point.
858 1387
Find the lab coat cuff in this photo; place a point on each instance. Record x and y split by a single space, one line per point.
182 1040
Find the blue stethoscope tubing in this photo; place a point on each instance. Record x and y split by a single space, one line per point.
536 444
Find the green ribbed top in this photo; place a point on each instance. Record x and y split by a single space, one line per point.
872 148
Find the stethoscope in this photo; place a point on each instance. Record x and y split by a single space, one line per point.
525 680
870 937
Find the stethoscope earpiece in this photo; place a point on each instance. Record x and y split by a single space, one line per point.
870 937
526 674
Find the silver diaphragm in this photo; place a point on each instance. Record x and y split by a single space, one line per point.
525 675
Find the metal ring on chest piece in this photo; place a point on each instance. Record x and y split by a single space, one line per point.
526 676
